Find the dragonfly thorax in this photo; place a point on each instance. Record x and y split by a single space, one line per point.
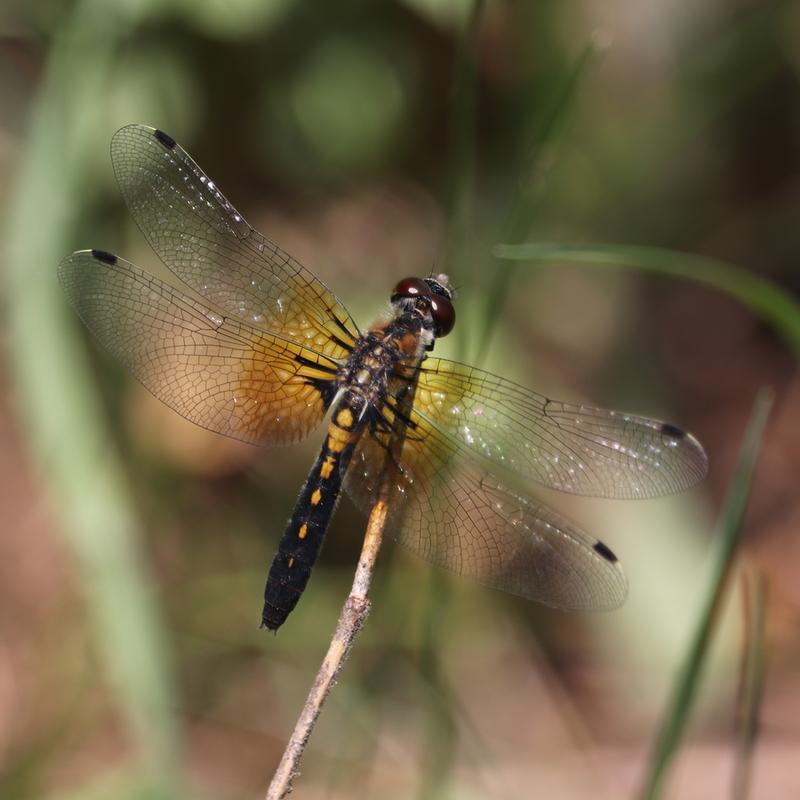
377 354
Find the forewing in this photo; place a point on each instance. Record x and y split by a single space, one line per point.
444 507
218 372
204 240
572 448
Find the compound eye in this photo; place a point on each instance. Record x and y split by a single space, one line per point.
444 315
411 287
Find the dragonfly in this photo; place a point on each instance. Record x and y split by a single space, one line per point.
257 348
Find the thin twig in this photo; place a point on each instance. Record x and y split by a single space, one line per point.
354 614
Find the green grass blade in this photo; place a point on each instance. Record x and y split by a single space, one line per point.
524 203
60 413
440 734
463 122
752 692
523 210
766 299
729 530
459 258
442 727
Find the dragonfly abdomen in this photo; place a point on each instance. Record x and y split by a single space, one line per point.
302 540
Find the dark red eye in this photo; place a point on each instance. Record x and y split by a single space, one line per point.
444 315
411 287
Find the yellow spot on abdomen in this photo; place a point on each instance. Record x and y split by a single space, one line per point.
327 467
303 531
316 497
291 561
337 438
345 418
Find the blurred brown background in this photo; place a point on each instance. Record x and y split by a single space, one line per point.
134 546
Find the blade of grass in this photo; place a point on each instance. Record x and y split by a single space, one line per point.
441 728
463 121
523 208
58 407
766 299
523 205
752 692
729 529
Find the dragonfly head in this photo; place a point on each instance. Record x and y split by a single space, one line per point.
431 295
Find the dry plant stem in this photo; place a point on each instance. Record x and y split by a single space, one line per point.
353 616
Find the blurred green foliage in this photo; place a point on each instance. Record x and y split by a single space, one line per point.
730 528
375 140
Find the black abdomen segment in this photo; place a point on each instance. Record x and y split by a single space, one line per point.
302 540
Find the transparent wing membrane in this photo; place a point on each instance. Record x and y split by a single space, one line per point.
215 371
204 240
449 511
572 448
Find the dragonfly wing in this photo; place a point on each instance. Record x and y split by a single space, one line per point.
209 245
215 371
572 448
444 507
